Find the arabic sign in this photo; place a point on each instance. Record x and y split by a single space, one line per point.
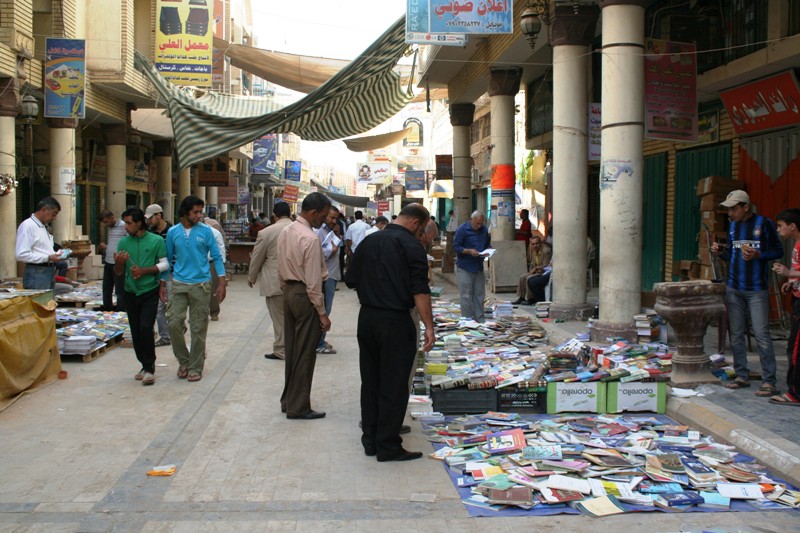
670 78
64 78
292 170
383 207
765 104
452 16
414 137
438 39
184 44
227 195
444 167
595 131
264 149
290 193
415 180
374 172
213 172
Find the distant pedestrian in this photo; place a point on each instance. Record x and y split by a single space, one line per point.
264 268
140 259
219 236
331 248
788 222
471 239
188 247
302 271
111 284
34 246
154 215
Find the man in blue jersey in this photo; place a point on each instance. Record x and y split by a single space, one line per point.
189 246
752 243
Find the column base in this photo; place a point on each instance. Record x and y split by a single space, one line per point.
582 311
601 331
690 375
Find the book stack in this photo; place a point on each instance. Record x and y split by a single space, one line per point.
648 326
542 309
78 344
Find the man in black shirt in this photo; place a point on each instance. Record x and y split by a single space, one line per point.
390 273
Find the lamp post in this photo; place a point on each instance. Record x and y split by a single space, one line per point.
29 111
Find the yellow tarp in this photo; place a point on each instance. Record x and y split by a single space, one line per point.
29 355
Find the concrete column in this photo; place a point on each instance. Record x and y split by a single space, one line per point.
503 86
461 117
184 184
9 95
621 168
63 176
163 153
212 197
571 35
115 137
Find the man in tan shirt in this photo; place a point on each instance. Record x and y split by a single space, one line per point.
301 269
264 267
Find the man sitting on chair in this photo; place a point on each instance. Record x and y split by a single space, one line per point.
539 255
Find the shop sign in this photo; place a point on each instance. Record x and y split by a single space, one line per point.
766 104
213 172
64 78
184 45
670 78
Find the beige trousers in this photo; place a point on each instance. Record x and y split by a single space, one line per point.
275 308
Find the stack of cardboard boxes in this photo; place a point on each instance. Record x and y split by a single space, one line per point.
714 221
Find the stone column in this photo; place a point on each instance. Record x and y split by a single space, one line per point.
62 175
212 197
461 117
503 87
163 153
621 168
184 184
9 97
115 137
571 35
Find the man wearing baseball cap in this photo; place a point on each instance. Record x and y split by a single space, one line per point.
154 217
752 243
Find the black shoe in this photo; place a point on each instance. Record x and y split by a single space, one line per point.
370 451
272 356
518 301
404 429
402 455
527 302
311 415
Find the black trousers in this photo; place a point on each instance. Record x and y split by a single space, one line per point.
112 283
536 284
387 348
142 312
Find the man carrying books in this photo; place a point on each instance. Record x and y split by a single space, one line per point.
390 273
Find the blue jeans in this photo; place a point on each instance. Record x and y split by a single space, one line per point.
757 303
39 277
472 290
328 289
161 317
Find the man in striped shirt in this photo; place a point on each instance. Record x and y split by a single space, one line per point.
752 243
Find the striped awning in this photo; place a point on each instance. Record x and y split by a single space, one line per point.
359 97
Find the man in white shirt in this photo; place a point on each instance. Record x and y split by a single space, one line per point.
380 223
355 233
331 246
111 283
34 246
216 229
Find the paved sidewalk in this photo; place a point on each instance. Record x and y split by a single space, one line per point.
74 454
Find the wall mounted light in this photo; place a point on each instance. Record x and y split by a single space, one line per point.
530 22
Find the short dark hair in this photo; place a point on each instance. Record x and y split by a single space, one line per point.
281 209
381 220
104 214
334 208
789 216
316 201
188 203
48 202
359 215
416 211
524 213
136 214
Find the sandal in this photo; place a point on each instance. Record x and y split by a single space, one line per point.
162 342
183 372
195 376
737 384
767 390
783 399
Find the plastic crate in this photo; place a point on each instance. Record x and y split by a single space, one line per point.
464 401
533 399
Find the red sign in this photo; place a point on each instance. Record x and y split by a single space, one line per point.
290 193
227 195
383 207
765 104
503 177
670 78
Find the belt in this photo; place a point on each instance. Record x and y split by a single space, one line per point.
294 281
42 265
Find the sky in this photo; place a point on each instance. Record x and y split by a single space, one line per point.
337 29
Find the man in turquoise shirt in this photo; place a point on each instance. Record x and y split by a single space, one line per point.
141 256
189 245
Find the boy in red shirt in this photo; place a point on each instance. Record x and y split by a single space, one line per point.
788 226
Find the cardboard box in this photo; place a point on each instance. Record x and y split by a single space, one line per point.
636 396
717 184
576 397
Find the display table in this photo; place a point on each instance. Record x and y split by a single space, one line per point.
29 355
239 254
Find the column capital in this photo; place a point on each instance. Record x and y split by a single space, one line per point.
9 97
641 3
162 148
462 114
570 28
62 123
504 82
115 134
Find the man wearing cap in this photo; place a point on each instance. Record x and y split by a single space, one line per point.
752 243
154 217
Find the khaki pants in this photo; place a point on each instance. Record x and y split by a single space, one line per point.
275 308
194 297
302 329
522 287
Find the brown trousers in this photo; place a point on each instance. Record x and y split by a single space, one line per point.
301 332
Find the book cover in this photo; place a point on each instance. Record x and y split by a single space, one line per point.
535 453
602 506
675 499
505 441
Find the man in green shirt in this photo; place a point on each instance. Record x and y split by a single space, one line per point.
141 257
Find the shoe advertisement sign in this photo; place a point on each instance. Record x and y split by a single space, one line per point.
184 42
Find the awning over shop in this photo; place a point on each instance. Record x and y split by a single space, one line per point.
373 142
359 97
344 199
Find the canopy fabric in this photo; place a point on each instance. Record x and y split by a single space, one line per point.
441 189
359 97
344 199
373 142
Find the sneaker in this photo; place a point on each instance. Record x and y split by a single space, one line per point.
139 375
148 379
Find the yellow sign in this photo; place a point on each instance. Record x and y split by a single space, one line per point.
184 42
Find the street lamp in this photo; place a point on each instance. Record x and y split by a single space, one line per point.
29 111
530 22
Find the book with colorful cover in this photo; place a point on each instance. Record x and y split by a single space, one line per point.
505 441
538 452
676 499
